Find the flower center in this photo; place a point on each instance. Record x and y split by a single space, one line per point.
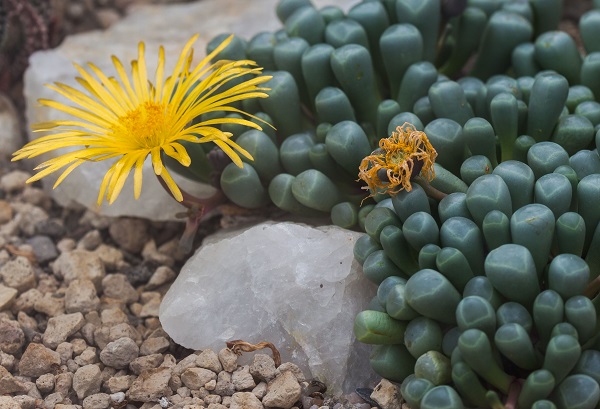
396 157
145 126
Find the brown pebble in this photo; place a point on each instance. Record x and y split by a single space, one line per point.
12 336
154 346
18 274
62 327
129 233
38 360
119 353
6 212
87 381
151 385
81 296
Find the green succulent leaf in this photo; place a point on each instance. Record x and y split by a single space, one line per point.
374 327
432 295
423 335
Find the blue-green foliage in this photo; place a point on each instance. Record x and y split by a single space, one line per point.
506 264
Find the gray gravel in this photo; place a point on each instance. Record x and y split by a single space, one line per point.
79 327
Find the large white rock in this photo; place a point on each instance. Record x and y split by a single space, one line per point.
170 26
296 286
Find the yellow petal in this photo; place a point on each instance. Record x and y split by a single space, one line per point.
87 87
232 155
138 176
76 112
239 148
50 125
99 90
179 154
170 84
160 69
175 191
237 121
125 81
137 84
206 60
142 72
83 100
66 172
114 90
124 166
104 185
156 161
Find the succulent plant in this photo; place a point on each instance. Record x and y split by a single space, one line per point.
474 126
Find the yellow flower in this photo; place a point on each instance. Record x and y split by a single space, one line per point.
400 158
130 119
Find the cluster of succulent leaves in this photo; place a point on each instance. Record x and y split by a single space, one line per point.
489 295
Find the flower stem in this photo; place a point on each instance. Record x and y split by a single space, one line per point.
592 288
186 241
513 394
430 190
197 208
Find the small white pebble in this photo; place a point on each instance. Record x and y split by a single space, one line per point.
117 397
164 402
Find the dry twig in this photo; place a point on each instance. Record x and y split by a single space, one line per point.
238 346
17 252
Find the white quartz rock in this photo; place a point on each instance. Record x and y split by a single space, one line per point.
296 286
167 25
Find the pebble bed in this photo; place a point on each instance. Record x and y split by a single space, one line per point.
79 327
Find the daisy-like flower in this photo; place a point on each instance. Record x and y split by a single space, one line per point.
131 119
406 154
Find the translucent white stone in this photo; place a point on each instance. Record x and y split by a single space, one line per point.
296 286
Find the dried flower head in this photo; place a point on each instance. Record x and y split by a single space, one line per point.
407 153
131 119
